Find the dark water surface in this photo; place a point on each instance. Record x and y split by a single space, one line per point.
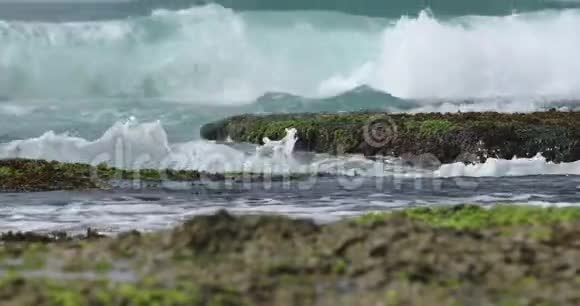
159 207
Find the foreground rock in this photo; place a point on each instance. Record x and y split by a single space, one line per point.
458 256
448 137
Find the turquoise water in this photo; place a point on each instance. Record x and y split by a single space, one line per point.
131 83
59 10
71 72
80 73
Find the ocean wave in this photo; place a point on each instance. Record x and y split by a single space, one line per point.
537 165
204 54
133 145
211 54
398 7
107 10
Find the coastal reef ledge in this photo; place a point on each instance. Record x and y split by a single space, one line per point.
450 137
27 175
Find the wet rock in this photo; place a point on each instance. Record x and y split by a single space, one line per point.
24 175
453 256
464 137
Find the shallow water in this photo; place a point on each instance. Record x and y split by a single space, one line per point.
160 207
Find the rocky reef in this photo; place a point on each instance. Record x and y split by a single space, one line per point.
465 137
21 175
464 255
25 175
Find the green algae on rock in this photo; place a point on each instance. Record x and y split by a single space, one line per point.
473 216
19 175
28 175
449 137
23 175
406 258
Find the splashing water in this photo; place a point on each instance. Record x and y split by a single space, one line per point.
213 54
133 145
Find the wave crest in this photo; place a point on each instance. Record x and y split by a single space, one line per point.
213 54
133 145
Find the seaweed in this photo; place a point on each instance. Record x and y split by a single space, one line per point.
447 136
456 255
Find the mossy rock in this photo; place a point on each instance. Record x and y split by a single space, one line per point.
457 255
448 137
23 175
477 217
19 175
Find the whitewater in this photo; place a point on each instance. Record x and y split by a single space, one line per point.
212 54
133 89
212 60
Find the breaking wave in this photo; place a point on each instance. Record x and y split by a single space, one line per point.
196 65
133 145
211 54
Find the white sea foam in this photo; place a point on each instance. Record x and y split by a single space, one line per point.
213 54
133 145
514 167
528 55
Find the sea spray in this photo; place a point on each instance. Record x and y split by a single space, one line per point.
133 145
211 54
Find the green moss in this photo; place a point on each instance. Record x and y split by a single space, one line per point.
64 297
444 135
472 216
21 175
44 292
410 257
32 260
34 175
436 127
345 141
372 218
340 266
5 172
391 298
103 266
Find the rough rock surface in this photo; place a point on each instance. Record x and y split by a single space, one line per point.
465 137
24 175
457 256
